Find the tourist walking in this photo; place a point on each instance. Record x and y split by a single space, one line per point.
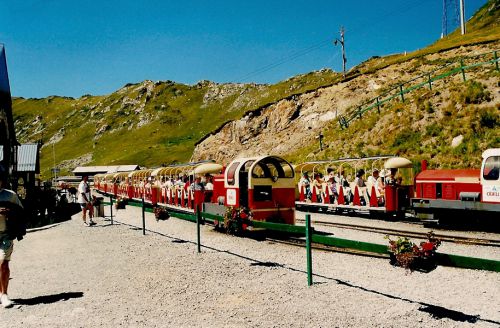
85 201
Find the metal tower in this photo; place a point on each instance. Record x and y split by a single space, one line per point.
451 16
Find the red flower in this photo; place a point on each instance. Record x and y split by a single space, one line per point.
243 215
244 226
428 246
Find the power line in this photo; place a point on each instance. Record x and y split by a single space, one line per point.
410 4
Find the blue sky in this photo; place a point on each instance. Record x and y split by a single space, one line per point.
71 48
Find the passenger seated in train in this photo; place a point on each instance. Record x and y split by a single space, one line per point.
376 181
359 181
331 173
332 189
306 184
197 185
341 180
391 179
318 186
372 179
209 187
380 188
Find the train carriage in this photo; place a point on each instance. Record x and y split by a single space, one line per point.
344 194
447 194
265 185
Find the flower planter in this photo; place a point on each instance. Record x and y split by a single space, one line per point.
424 263
120 205
161 214
415 263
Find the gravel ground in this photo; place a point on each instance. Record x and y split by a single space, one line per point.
109 276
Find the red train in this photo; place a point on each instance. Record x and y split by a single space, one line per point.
269 187
265 185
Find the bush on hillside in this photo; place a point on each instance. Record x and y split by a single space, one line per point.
488 118
475 93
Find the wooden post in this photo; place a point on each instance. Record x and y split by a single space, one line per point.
430 81
378 105
309 231
402 93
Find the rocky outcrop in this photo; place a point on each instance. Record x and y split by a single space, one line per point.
288 125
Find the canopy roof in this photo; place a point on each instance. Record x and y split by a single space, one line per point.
187 168
397 162
309 166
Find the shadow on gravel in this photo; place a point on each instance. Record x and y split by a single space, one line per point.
439 312
266 264
436 312
179 241
103 225
48 299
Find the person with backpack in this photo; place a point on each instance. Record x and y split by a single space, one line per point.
12 226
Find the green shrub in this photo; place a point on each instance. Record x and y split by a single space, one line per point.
407 139
475 93
428 107
433 130
488 118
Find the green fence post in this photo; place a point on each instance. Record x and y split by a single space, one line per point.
198 221
378 106
430 81
359 112
111 207
401 92
462 69
496 60
309 231
143 218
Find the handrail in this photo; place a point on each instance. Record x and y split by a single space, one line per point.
377 102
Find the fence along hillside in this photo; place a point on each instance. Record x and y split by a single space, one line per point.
460 66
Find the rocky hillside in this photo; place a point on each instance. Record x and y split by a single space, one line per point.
443 124
154 123
148 123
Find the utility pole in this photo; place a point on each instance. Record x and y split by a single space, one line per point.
320 137
462 16
341 41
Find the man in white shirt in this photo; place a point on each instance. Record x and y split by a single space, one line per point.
11 227
85 201
372 179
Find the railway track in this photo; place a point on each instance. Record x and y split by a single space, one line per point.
300 242
411 234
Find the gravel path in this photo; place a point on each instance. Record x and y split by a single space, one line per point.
110 276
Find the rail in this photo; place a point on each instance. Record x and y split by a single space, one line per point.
427 80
